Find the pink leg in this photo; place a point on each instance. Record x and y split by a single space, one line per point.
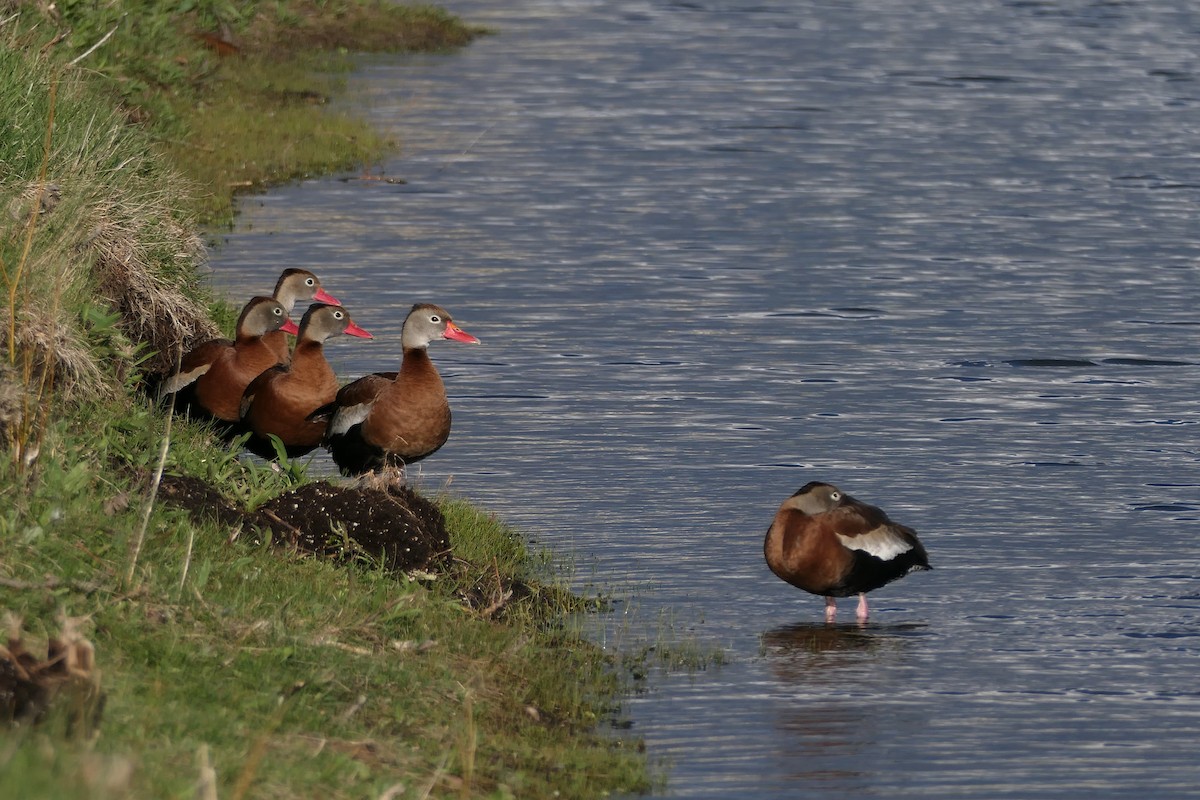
830 609
862 606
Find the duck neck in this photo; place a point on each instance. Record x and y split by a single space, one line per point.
308 357
243 339
417 369
416 360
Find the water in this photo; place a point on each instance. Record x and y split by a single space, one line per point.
941 254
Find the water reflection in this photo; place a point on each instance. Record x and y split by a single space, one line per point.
817 655
830 720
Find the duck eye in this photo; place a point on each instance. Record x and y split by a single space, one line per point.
310 282
835 496
277 311
434 318
337 315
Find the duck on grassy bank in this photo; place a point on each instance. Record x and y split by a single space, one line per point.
213 374
395 418
279 401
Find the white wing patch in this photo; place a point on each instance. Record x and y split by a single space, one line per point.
181 379
883 543
247 401
347 417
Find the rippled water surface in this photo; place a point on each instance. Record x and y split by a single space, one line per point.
942 254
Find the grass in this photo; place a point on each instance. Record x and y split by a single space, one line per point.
296 676
269 98
233 92
232 667
99 259
282 132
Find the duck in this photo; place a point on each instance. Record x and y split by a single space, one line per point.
281 398
293 286
827 543
391 419
213 374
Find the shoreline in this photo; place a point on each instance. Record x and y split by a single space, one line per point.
251 664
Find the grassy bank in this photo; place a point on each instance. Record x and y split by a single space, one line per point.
230 665
290 675
231 93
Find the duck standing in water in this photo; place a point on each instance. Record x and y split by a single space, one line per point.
293 286
280 400
395 418
827 543
213 374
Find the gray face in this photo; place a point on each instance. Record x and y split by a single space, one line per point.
424 324
325 322
297 285
815 499
266 316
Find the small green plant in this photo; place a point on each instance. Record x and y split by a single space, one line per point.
110 344
291 470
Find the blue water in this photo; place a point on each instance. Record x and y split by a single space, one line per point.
940 254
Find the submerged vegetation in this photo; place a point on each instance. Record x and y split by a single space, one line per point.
230 664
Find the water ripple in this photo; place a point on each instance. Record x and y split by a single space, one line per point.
941 254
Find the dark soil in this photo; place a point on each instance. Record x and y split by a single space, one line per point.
397 526
203 502
375 521
387 524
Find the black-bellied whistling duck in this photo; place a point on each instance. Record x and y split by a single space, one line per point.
396 418
280 399
827 543
293 286
213 375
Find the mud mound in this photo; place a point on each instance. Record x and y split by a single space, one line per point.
377 522
203 502
395 526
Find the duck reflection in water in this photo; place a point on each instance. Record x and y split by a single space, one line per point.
817 647
829 738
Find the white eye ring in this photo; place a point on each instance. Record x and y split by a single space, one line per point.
835 496
277 311
435 318
309 282
337 315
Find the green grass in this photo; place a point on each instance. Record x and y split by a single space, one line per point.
281 131
247 119
299 677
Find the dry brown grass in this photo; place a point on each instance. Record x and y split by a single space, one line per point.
105 251
97 267
155 311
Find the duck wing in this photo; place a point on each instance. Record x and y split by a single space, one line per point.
353 402
196 363
865 528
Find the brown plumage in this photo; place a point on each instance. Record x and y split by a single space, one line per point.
395 418
213 375
827 543
293 286
280 400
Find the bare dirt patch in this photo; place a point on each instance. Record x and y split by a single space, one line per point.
390 525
